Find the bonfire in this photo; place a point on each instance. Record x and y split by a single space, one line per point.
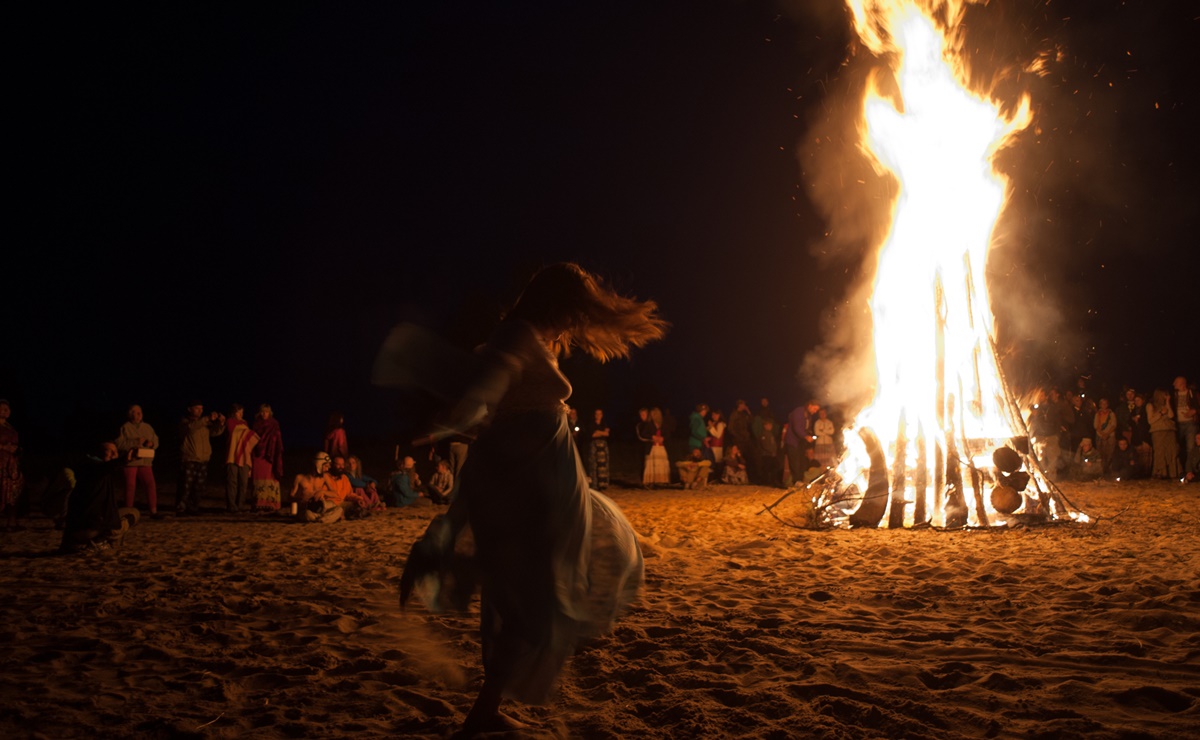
943 443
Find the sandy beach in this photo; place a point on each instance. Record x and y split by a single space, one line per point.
244 626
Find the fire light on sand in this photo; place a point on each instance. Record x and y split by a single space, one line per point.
943 443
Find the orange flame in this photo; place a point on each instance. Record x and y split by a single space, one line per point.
937 374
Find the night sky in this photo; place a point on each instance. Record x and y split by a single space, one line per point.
236 203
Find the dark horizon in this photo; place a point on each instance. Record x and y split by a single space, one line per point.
237 204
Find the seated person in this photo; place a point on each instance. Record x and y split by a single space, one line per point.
735 467
812 467
314 495
93 520
1124 464
364 485
1088 465
694 470
352 501
405 484
441 483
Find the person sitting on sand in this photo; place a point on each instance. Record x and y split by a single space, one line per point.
693 472
441 483
1089 466
313 494
812 467
353 502
405 484
93 520
735 467
1123 464
364 485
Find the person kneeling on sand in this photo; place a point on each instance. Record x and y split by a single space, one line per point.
694 470
94 522
312 495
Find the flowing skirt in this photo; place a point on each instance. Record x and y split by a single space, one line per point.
658 468
555 561
266 488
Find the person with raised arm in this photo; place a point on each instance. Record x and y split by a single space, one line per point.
555 561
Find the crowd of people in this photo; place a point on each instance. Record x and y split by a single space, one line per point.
335 488
1075 435
753 448
1156 435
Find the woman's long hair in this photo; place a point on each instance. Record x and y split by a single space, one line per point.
580 309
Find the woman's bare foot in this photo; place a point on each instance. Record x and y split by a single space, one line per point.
486 725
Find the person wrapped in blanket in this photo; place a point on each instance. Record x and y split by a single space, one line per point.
94 521
554 560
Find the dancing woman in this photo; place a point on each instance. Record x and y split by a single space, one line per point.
555 561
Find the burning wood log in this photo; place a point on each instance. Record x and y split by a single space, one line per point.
977 489
899 468
956 503
921 481
875 500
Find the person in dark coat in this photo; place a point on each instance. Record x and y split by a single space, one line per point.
93 518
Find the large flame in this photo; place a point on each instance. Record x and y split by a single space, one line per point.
938 379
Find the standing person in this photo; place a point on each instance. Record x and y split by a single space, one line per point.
11 480
195 433
657 471
799 437
644 429
1046 426
1084 416
1124 410
716 436
698 429
1191 469
768 447
598 451
1187 411
556 560
1104 421
266 461
239 459
136 434
759 463
1162 436
1066 416
1140 439
823 431
336 444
